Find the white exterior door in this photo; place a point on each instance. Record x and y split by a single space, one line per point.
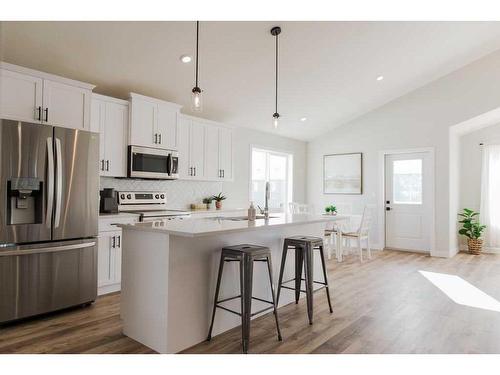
409 201
20 96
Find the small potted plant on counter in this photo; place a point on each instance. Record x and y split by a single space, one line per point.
208 202
331 210
472 229
218 200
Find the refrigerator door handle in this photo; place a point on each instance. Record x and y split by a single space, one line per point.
47 249
59 169
50 183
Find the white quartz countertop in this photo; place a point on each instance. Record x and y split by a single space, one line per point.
197 227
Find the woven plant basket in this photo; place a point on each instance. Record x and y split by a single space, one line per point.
475 245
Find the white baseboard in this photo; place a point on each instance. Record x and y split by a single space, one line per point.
106 289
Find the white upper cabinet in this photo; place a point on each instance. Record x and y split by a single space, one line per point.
168 126
154 123
109 116
32 96
205 150
66 105
226 153
20 96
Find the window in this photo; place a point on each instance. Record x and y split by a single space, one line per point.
275 167
407 181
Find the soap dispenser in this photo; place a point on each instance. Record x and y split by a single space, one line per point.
252 213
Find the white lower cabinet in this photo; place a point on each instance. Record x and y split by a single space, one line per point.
109 253
109 260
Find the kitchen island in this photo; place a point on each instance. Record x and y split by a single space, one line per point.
169 270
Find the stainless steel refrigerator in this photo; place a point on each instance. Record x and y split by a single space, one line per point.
49 191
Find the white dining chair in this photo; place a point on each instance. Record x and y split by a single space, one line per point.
300 208
361 234
333 228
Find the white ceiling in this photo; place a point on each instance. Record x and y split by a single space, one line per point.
328 70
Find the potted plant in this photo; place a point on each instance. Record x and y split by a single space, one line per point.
208 202
472 229
331 210
218 200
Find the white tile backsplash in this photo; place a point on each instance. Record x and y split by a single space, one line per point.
180 193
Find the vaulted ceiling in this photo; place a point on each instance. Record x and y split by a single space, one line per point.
328 70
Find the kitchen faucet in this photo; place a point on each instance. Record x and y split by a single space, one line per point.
265 211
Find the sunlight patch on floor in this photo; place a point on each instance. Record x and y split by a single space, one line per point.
461 291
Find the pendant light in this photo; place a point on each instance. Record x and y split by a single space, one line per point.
196 97
275 31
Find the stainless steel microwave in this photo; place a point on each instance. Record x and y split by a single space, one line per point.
152 163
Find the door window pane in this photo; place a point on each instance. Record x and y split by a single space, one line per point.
407 181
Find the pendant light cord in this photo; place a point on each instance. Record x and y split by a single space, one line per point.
276 98
197 43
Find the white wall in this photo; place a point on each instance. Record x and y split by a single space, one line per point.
421 118
181 193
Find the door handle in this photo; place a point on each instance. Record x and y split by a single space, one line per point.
156 138
102 164
119 241
113 242
50 183
223 173
159 138
194 169
46 114
107 165
387 208
58 183
39 113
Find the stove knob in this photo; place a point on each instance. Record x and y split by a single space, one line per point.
129 196
157 196
122 196
162 196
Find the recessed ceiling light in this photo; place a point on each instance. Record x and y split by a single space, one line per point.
303 119
380 78
186 59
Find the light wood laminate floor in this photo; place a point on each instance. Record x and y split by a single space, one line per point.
380 306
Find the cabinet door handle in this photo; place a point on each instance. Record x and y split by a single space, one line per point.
46 114
223 173
102 164
39 113
113 242
194 168
107 165
159 138
119 241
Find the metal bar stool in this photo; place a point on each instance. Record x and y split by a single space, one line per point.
304 247
246 255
